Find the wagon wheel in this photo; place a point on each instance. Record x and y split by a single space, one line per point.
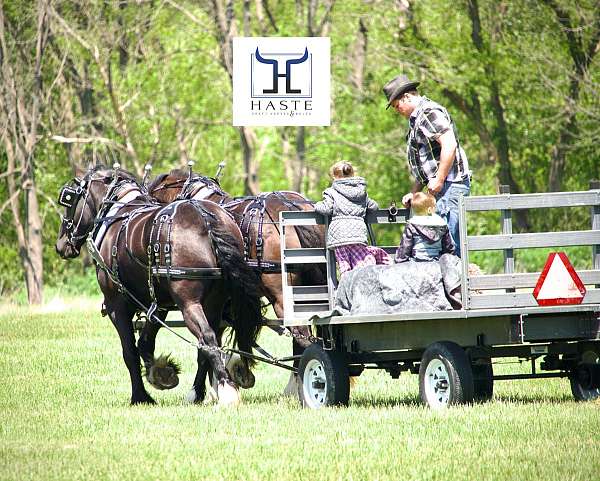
324 378
585 378
483 381
445 376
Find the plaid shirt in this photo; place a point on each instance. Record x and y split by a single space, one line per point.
427 122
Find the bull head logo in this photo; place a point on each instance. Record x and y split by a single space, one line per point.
288 72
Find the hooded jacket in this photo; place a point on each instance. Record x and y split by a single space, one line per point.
425 238
347 203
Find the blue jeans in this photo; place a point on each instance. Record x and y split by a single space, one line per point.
447 207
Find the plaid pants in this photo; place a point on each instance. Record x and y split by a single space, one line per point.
357 255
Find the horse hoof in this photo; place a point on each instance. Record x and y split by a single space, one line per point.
190 397
147 399
228 395
240 372
163 374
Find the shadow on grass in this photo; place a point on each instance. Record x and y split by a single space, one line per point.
385 401
529 399
267 398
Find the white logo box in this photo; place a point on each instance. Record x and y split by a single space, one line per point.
281 81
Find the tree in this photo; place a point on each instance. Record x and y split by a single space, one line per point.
583 43
22 96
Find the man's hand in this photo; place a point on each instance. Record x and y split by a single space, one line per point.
435 185
407 199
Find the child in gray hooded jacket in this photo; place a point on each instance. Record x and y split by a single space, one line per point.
347 202
426 235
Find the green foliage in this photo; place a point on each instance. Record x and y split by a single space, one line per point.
173 79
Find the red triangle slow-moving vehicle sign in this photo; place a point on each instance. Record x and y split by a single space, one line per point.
558 283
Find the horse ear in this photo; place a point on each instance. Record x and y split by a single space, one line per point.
79 171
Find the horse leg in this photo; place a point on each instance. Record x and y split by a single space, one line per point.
198 391
161 372
208 346
121 314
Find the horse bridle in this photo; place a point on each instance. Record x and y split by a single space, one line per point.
70 196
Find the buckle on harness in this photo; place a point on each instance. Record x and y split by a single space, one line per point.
392 211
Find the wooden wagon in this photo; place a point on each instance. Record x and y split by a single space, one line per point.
452 351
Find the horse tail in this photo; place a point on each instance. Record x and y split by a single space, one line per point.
246 309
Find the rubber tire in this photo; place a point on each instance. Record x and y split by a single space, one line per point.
579 393
483 382
335 369
458 367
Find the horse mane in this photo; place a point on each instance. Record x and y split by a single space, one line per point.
123 174
156 181
177 174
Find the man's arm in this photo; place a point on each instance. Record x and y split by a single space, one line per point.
447 154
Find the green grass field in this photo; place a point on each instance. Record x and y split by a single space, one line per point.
65 416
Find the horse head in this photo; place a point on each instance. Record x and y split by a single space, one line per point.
84 198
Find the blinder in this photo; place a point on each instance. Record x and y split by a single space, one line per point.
69 196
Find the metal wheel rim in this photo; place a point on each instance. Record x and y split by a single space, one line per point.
314 384
437 384
592 358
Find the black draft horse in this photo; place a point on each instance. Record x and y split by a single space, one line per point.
258 218
131 236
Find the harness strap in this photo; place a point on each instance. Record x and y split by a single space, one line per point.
188 272
264 266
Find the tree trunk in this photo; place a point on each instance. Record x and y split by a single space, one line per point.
28 227
582 55
251 182
288 164
225 28
20 98
299 167
360 57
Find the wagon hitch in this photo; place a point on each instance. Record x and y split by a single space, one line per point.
273 361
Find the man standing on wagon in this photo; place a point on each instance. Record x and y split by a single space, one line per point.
435 157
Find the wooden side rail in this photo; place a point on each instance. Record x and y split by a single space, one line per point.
303 301
478 290
532 201
523 280
541 239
